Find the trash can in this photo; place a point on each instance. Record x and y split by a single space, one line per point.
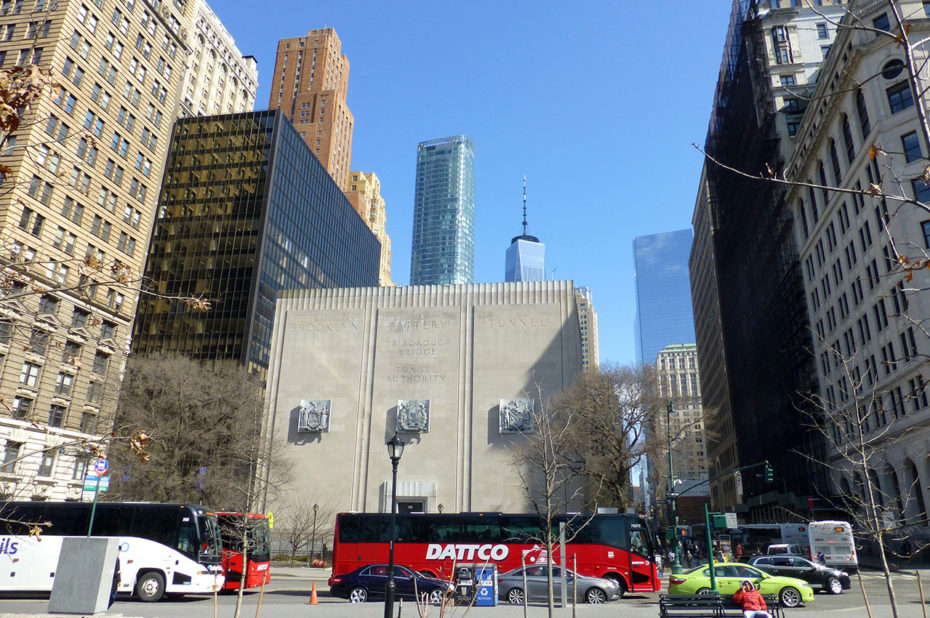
464 584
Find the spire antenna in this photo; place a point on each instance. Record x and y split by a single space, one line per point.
524 204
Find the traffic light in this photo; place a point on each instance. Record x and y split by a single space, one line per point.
767 474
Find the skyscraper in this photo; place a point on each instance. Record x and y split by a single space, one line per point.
664 315
246 211
365 195
218 79
310 82
79 194
444 212
526 256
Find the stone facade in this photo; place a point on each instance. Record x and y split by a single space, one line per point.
463 348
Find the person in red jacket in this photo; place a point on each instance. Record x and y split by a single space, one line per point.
750 601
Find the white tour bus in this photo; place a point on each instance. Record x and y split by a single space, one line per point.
164 548
835 540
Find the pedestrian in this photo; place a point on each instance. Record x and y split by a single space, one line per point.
821 558
739 552
750 601
117 576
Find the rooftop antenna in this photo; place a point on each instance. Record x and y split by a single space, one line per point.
524 204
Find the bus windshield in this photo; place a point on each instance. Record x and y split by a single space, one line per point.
259 542
211 544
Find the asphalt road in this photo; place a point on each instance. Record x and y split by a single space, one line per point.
288 593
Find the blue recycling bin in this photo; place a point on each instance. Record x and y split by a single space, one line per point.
486 589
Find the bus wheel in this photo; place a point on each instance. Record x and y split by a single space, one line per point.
150 587
621 585
515 596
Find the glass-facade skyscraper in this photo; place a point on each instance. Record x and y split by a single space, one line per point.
664 314
246 210
443 249
525 259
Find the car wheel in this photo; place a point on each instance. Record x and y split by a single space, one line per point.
515 596
834 585
595 596
150 587
790 597
621 585
436 596
704 591
358 595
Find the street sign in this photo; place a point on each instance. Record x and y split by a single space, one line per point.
731 520
90 482
672 494
100 466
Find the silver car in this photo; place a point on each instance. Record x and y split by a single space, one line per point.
589 589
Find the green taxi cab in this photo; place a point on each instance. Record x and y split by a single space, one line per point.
729 575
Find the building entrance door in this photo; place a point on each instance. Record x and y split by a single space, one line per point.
411 506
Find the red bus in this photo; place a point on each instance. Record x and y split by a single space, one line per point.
616 546
259 549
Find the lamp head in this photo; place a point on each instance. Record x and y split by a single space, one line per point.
395 448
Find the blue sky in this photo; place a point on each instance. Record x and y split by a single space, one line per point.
597 102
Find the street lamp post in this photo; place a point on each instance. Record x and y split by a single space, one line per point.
672 495
395 448
313 535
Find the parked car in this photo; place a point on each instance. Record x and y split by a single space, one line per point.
791 591
590 589
818 576
368 582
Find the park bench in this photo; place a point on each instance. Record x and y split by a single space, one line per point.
709 606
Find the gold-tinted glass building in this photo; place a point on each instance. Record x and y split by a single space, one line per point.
246 211
310 82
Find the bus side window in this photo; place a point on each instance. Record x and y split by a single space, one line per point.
187 538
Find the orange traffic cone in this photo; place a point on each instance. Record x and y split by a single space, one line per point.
313 599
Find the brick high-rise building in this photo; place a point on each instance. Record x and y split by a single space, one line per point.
310 82
81 191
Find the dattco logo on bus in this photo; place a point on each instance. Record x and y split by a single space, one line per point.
455 551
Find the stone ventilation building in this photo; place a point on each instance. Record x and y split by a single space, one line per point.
364 192
864 307
85 168
455 370
310 84
218 79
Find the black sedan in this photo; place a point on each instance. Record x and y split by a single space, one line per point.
368 582
817 575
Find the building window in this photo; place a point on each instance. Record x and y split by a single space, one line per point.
21 407
38 342
863 112
926 229
56 416
10 456
63 384
893 68
29 374
81 462
48 305
101 361
47 465
848 141
94 392
899 97
71 353
921 190
881 23
79 318
821 30
787 80
107 330
911 146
